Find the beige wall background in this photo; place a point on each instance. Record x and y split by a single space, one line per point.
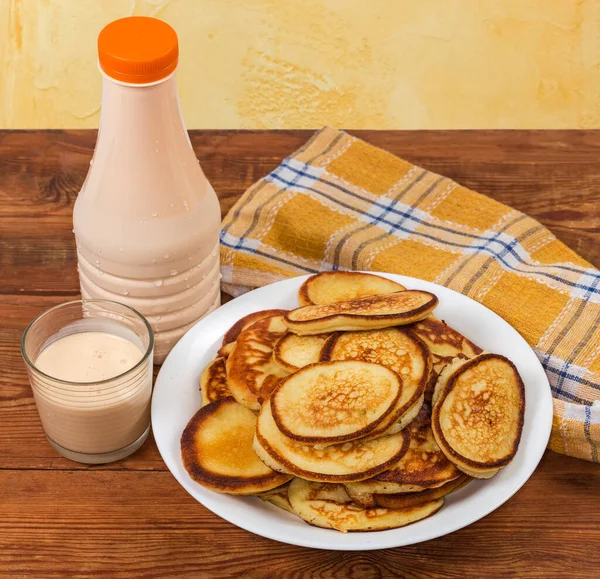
400 64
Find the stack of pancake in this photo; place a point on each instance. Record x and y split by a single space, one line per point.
359 410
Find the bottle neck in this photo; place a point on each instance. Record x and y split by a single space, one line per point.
144 117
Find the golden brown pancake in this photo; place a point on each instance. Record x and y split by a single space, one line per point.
478 415
445 344
244 323
424 466
331 287
349 461
396 348
334 402
329 506
278 497
293 352
213 382
368 313
395 424
404 500
269 384
225 351
216 449
252 360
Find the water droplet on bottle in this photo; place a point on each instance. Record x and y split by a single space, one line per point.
156 150
167 256
100 272
154 214
97 263
73 230
121 249
141 222
171 204
189 258
158 318
91 161
99 249
173 272
158 282
185 278
185 204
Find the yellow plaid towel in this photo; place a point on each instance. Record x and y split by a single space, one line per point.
340 203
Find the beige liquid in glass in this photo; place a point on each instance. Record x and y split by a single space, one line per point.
88 357
85 416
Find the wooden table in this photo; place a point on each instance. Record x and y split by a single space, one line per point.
131 518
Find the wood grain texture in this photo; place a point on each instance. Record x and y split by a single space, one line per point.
131 518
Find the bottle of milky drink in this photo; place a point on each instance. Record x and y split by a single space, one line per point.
147 219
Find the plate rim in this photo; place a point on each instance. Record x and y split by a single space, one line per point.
338 542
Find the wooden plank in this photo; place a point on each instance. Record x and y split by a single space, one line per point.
143 524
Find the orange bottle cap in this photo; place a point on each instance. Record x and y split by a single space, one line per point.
138 49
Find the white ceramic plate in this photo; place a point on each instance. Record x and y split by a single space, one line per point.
176 398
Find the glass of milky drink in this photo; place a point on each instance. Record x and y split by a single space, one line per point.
90 368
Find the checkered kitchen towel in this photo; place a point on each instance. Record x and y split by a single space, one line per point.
340 203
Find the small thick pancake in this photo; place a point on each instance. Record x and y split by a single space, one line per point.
404 500
216 448
445 344
478 416
266 389
443 340
331 287
393 424
213 382
368 313
293 351
350 461
225 351
334 402
439 363
252 360
424 466
278 497
444 375
396 348
329 506
244 323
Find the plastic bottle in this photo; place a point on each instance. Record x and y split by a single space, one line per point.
147 220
